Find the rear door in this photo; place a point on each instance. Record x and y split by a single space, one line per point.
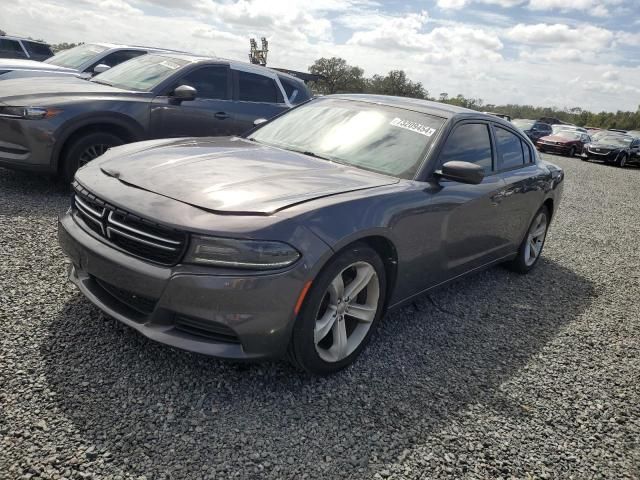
525 183
207 115
255 96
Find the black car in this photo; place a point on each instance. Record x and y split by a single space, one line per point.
533 129
615 148
23 48
55 126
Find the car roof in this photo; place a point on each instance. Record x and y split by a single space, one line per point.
430 107
12 37
194 58
133 47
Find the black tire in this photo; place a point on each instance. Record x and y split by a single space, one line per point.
622 160
74 156
302 348
519 264
572 152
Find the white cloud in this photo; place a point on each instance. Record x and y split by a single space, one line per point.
586 37
596 8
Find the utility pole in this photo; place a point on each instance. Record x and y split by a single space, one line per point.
256 56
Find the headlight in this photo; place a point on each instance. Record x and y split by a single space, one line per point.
29 113
234 253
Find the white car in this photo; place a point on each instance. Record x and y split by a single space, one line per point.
83 61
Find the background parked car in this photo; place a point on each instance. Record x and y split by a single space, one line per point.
614 149
55 126
533 128
564 142
573 128
23 48
84 60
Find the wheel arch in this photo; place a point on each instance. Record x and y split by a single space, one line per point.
126 128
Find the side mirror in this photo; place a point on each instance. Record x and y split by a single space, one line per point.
463 172
184 93
259 121
100 68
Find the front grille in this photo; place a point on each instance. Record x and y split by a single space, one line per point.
126 231
206 329
132 300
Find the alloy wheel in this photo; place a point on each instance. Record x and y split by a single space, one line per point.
346 312
535 239
92 152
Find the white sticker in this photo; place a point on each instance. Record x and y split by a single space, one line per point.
169 65
413 126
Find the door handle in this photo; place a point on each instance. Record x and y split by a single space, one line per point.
221 115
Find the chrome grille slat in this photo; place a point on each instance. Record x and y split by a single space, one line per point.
112 221
138 239
127 232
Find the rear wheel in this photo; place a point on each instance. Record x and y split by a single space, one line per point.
532 244
85 149
341 311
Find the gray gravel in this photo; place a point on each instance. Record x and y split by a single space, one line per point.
496 376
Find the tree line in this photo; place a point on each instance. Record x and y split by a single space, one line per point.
337 76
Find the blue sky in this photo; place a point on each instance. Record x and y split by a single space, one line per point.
562 53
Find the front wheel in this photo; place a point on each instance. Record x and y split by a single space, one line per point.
340 313
531 246
622 160
85 149
572 152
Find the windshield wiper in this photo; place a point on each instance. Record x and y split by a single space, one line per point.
101 83
310 154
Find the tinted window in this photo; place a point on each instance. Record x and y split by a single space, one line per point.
296 92
256 88
509 149
116 58
12 48
210 82
39 49
527 153
469 142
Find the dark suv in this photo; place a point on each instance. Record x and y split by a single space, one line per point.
56 126
25 48
534 129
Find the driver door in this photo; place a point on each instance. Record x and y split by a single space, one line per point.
206 115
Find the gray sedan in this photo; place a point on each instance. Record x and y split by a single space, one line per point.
296 238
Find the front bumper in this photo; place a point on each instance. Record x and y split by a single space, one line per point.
554 148
605 157
26 145
186 306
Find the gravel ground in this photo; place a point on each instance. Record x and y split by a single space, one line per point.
540 382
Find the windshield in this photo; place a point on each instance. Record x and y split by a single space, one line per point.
523 124
616 140
383 139
142 73
77 56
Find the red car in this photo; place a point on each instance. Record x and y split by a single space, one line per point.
564 142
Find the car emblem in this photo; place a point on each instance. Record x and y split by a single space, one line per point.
597 149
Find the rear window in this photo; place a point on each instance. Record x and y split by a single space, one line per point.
296 92
39 49
510 152
256 88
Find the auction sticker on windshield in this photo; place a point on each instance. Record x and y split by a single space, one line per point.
413 126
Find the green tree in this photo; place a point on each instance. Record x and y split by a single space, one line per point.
337 76
64 46
395 83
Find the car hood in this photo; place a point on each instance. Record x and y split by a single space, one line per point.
611 146
230 175
19 64
17 91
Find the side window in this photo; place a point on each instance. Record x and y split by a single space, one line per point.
469 142
38 49
527 153
509 149
256 88
116 58
11 49
210 82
